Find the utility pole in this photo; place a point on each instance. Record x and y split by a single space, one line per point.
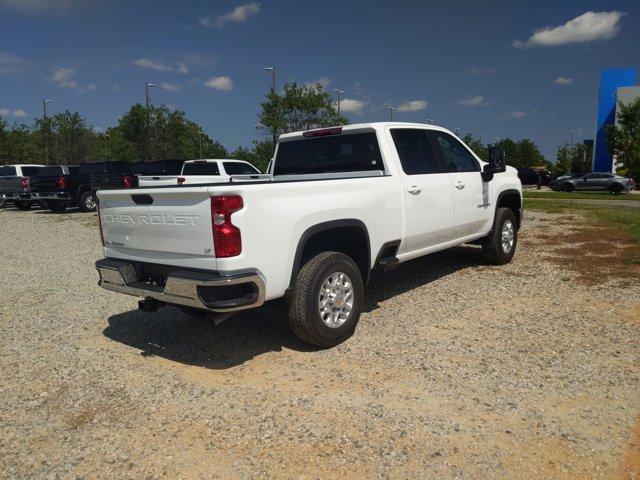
146 93
200 135
46 130
572 132
338 92
391 109
273 90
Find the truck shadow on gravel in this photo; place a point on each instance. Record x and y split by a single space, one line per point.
170 334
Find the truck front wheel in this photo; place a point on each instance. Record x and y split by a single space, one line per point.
499 246
327 300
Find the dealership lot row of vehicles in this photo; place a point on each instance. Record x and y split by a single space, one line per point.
62 186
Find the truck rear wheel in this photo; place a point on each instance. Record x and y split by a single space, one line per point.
500 245
87 202
327 300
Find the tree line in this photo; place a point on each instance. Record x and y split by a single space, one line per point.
157 133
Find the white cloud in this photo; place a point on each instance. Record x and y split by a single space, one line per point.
516 114
481 69
219 83
585 28
322 81
64 77
351 105
413 106
563 81
12 65
170 87
160 66
473 101
239 14
18 113
34 7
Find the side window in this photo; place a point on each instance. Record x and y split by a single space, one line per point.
415 152
455 156
7 171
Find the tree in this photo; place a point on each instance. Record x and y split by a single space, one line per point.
574 158
259 156
300 107
523 153
624 138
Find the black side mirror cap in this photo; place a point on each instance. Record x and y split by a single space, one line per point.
497 163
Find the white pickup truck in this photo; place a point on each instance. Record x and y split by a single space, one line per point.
339 203
204 171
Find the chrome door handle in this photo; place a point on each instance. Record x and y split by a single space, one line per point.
459 185
414 190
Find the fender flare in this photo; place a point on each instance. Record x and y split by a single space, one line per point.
510 191
322 227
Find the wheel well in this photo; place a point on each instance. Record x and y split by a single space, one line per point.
511 200
349 238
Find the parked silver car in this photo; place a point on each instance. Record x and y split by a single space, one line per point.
592 182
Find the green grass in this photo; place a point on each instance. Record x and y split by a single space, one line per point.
627 218
577 195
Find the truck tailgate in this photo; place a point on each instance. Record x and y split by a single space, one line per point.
157 225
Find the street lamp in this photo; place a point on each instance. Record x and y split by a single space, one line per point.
273 90
391 109
146 92
200 134
46 129
338 92
430 121
572 132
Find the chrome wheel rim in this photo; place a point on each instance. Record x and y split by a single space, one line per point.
508 236
90 202
335 300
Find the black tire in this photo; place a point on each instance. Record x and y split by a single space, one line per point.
616 189
23 204
492 248
568 187
304 314
57 207
85 202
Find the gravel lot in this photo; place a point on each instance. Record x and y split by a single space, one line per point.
457 370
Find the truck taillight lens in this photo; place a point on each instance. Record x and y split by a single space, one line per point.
24 183
62 183
181 180
127 181
100 224
227 240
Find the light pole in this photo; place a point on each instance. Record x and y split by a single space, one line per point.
273 91
338 92
391 109
430 121
200 135
146 92
46 129
572 132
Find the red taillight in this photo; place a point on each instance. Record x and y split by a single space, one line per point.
226 236
181 180
127 181
100 224
322 133
24 183
62 183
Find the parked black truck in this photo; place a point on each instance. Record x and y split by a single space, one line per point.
75 188
79 188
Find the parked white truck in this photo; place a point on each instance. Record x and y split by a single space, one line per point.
204 171
339 203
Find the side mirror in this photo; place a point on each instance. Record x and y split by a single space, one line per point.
496 163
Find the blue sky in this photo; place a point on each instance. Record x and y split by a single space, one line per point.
478 66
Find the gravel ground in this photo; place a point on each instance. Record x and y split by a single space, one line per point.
457 370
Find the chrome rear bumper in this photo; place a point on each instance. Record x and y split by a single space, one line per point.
193 288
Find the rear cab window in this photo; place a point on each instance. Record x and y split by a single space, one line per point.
93 168
239 168
44 171
201 168
29 171
7 171
345 152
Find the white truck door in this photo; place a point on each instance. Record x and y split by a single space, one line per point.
470 192
428 192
